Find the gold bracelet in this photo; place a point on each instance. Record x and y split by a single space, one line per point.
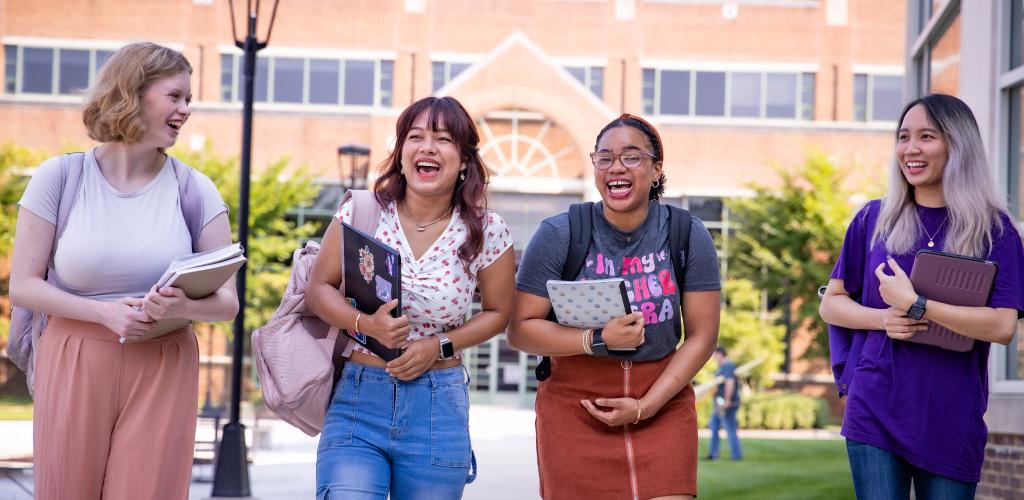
358 315
586 341
639 409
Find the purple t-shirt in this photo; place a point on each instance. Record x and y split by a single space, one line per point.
920 402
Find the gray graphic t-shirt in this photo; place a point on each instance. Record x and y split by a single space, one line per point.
640 257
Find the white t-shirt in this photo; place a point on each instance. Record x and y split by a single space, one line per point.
436 289
116 244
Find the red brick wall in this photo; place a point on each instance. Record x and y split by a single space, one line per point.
1002 477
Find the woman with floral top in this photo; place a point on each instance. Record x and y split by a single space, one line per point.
401 428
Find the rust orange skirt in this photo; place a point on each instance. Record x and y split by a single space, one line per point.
581 457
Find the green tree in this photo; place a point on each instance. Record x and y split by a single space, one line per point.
13 160
272 238
790 237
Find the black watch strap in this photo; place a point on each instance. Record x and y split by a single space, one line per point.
597 343
920 306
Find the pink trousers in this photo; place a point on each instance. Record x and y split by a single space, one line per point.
113 421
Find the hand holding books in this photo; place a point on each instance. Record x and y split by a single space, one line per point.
191 277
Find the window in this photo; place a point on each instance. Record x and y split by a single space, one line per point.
523 212
740 94
746 95
10 68
50 70
288 78
443 72
324 81
944 61
591 77
710 93
318 81
877 97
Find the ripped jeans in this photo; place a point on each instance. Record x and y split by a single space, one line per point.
409 440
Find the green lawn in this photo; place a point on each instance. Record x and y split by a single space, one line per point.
15 408
777 469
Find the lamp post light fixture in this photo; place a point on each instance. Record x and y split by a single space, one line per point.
231 470
356 178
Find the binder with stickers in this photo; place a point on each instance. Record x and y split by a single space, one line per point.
373 276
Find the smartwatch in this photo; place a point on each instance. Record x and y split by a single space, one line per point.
447 348
597 345
917 310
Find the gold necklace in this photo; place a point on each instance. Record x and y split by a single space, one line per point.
931 237
423 227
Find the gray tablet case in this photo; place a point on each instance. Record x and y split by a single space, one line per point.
951 279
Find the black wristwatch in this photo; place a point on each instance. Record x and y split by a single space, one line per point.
917 310
447 348
597 345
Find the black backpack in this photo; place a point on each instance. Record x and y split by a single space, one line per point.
580 231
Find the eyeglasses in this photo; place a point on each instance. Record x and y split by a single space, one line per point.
630 158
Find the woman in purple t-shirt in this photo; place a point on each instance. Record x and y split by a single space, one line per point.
914 412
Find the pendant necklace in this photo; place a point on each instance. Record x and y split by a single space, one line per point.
423 227
931 237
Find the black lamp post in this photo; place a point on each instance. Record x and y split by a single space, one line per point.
231 473
356 171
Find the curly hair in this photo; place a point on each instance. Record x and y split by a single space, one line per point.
628 120
113 106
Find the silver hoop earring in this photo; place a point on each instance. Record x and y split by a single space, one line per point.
656 184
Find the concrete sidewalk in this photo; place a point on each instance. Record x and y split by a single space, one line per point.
283 461
284 458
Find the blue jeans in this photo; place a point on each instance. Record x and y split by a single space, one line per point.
878 474
408 439
727 419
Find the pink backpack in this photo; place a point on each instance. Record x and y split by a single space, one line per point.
299 356
27 325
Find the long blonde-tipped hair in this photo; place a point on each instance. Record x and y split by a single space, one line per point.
113 106
972 201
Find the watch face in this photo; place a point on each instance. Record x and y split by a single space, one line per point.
447 349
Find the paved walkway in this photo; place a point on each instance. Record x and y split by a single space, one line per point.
284 458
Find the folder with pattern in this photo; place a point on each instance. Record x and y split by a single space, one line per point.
951 279
588 304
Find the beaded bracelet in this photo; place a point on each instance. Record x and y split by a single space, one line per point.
587 336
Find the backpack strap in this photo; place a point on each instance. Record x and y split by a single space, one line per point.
679 222
72 166
581 225
365 208
190 199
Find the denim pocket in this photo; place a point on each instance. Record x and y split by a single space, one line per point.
341 414
449 426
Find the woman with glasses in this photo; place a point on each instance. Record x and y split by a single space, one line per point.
616 416
915 412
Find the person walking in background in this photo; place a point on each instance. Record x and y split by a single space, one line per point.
914 412
401 428
727 404
614 423
115 417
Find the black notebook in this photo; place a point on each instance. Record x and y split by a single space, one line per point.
373 276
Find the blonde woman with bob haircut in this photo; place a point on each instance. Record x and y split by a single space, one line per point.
115 414
915 412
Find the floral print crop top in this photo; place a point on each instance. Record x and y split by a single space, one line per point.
436 289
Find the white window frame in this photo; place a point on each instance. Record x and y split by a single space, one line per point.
729 68
306 55
871 71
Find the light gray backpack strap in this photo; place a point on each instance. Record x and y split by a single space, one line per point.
72 167
191 200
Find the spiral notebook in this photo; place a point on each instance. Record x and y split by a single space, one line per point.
951 279
588 304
